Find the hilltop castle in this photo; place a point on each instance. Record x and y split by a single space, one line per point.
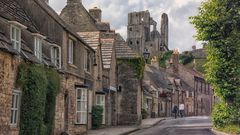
143 35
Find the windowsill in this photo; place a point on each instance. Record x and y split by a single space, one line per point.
80 124
72 65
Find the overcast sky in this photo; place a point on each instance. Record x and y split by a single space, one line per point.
181 32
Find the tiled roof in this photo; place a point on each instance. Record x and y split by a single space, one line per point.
157 77
123 51
92 38
107 50
5 44
11 10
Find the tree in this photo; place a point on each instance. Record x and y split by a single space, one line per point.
218 24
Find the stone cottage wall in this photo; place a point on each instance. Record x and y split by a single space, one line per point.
8 73
129 98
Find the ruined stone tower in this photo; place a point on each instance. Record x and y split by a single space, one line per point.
143 35
164 30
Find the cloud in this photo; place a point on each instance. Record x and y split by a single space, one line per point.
181 32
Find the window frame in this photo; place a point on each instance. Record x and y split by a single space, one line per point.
13 37
38 47
71 51
14 117
87 61
54 58
85 101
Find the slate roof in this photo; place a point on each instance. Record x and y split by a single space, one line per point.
123 51
107 52
92 38
157 77
5 44
11 10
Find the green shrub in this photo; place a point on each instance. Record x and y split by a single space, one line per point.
97 116
231 129
163 58
144 113
224 114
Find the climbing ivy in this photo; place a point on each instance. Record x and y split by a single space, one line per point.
39 89
138 65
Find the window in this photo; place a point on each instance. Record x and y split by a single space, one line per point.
15 107
187 94
38 48
90 101
87 61
15 34
81 103
56 56
71 51
100 100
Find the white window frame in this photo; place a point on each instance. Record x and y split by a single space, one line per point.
82 111
71 51
101 103
90 103
56 59
15 107
38 47
15 37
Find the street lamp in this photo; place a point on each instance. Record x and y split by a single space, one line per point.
146 55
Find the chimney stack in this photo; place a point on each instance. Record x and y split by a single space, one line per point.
96 13
175 60
194 47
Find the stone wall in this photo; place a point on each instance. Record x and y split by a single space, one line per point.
66 107
8 73
129 97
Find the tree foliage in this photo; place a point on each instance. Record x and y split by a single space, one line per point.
163 58
218 24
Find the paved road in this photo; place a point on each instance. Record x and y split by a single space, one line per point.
180 126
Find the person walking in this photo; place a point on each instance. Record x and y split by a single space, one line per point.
175 111
181 110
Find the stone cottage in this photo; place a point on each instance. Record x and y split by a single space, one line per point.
32 31
196 98
89 25
129 92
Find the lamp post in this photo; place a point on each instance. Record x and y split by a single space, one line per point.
146 55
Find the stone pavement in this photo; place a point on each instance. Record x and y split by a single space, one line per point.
123 130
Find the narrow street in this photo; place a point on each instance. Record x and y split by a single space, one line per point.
180 126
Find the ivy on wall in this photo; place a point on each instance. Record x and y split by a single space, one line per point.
40 86
138 65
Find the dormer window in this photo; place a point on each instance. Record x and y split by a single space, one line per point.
15 34
56 56
38 41
38 48
16 37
